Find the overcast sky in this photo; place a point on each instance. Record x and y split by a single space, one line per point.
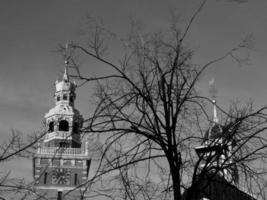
31 30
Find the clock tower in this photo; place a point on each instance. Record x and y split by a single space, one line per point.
62 160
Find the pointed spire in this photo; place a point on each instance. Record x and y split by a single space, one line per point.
66 75
213 92
215 117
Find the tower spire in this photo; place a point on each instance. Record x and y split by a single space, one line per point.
62 145
66 61
66 75
216 152
213 93
215 117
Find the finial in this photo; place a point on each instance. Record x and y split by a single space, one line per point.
213 92
66 76
66 57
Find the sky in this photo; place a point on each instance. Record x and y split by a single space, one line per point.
31 30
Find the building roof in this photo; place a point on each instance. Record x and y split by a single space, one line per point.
214 132
215 187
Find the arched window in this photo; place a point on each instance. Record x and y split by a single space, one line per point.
51 127
63 125
58 98
65 97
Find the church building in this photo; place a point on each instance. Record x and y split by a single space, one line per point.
217 178
62 160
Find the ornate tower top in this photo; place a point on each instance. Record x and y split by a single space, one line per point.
65 90
64 113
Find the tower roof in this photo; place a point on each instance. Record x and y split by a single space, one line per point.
215 131
65 84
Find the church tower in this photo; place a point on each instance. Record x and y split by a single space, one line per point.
64 121
62 160
217 148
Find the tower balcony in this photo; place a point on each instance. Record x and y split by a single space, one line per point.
58 150
62 135
62 152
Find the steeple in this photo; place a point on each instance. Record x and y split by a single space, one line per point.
64 112
215 117
66 75
62 159
66 61
216 150
215 129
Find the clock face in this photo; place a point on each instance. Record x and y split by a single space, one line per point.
61 176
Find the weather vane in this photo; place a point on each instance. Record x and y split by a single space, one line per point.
67 54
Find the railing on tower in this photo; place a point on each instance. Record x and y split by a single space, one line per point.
64 151
54 150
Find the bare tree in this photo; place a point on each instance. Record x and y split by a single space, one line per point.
149 117
17 146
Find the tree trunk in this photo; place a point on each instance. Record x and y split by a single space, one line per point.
175 173
176 187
